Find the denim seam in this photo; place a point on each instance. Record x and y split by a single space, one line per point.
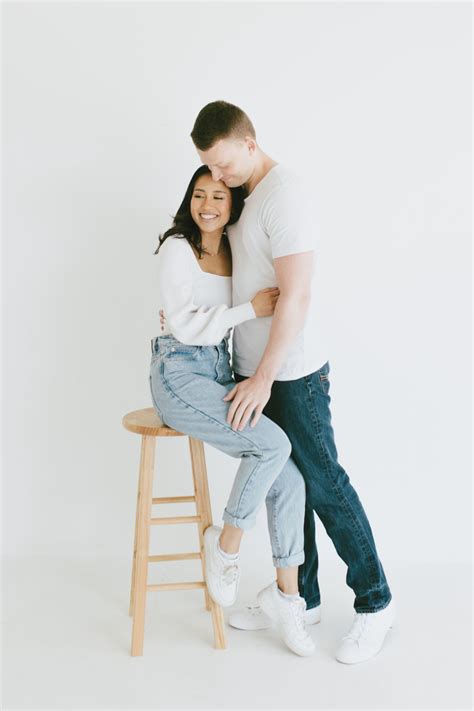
340 494
251 477
204 414
275 533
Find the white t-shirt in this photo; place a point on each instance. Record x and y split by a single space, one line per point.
196 304
277 220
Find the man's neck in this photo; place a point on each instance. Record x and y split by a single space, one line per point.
262 167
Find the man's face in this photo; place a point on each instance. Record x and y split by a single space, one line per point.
230 160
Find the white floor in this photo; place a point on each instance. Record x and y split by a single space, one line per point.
67 646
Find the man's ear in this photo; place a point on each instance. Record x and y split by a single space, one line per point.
251 144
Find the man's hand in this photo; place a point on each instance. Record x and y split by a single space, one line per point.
248 396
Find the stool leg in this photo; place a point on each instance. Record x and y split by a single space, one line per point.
203 506
197 459
145 498
134 559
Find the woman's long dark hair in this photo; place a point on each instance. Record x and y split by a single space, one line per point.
183 224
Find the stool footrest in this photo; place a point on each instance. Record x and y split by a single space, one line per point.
173 499
175 586
174 519
173 556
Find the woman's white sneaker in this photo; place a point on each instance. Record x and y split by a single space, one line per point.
222 577
253 618
289 617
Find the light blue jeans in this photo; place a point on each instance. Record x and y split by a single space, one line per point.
188 384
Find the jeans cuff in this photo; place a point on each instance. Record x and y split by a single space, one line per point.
312 604
289 561
243 523
368 608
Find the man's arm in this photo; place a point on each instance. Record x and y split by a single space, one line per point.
294 273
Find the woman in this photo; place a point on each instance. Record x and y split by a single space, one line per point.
190 374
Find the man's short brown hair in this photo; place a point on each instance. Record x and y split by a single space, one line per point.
220 120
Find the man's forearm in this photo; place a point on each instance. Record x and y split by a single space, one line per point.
288 320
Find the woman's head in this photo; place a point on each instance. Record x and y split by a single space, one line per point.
207 206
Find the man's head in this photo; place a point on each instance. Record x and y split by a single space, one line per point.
225 140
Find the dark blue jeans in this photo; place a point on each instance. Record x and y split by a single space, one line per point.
301 408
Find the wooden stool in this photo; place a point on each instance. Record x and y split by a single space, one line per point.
147 424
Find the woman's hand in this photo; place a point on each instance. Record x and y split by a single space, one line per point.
264 301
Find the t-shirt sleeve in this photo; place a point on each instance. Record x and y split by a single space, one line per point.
287 220
188 322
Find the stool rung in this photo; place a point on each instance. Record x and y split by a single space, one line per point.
173 556
174 500
174 519
175 586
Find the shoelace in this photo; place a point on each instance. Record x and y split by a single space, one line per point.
359 626
229 574
295 611
299 608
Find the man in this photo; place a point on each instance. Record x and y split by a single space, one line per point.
281 369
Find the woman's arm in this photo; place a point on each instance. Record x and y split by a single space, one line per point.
189 323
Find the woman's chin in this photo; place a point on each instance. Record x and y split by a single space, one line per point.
206 227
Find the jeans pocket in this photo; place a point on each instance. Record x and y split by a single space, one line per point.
323 377
180 353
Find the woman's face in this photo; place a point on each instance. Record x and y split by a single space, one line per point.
211 203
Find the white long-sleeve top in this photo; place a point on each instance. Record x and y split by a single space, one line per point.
197 305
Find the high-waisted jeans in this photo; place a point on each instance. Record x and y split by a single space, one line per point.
188 384
302 409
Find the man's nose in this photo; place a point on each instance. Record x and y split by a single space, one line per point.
216 175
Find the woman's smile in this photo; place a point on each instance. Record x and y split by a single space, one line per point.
207 216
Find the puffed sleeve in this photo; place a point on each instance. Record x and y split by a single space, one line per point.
189 323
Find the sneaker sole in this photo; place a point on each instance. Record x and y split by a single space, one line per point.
250 629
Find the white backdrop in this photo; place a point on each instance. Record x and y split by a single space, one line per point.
371 103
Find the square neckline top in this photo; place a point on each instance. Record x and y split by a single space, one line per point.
195 260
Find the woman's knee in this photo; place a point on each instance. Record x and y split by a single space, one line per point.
271 442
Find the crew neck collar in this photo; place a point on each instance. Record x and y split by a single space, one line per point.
262 181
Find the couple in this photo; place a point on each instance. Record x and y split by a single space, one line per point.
240 255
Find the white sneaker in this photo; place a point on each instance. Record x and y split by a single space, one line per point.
252 617
289 616
366 636
222 578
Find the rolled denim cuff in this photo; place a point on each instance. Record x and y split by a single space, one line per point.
243 523
289 561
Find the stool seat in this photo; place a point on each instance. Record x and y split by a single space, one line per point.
146 422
